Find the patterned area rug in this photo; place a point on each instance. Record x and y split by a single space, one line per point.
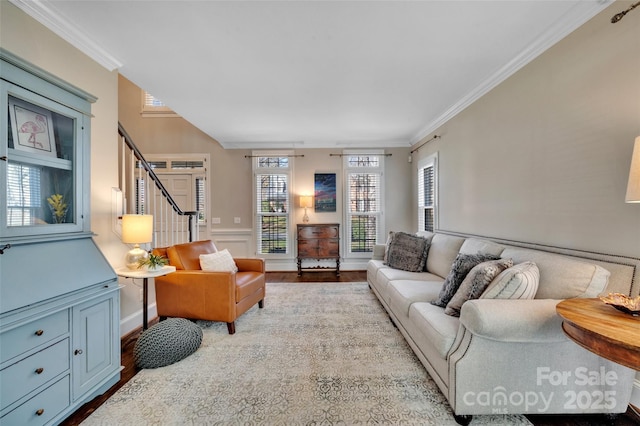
317 354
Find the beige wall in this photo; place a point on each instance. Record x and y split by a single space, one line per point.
231 173
544 157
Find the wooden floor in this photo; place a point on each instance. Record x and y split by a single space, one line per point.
627 419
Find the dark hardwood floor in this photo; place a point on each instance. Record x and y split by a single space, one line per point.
630 418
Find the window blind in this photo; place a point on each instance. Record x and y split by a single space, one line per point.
24 199
272 200
426 198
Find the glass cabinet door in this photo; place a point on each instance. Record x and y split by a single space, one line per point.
42 152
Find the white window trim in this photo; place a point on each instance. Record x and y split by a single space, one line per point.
290 218
154 111
380 232
431 160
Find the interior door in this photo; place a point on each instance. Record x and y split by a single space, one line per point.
182 189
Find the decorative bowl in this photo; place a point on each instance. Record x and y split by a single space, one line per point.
622 302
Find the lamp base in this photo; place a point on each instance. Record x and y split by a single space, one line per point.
305 218
134 256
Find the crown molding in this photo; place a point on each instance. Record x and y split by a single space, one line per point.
561 28
39 11
313 145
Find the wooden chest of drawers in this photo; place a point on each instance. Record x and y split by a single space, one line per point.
319 242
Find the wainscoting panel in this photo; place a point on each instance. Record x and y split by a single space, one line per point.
239 241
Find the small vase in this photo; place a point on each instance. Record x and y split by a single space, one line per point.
57 215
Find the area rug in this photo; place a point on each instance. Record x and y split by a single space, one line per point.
317 354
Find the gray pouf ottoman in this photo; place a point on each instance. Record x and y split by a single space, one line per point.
167 342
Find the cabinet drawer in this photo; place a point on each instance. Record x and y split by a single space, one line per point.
307 248
43 407
329 248
33 334
28 374
330 231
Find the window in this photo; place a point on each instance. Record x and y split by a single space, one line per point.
364 201
23 194
272 180
427 213
201 205
154 107
141 197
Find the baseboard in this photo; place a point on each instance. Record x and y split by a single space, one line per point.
134 321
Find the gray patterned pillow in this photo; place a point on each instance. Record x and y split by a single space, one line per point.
475 283
459 270
407 252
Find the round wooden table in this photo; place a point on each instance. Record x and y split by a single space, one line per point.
602 329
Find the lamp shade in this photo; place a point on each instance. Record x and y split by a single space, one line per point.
137 228
306 201
633 187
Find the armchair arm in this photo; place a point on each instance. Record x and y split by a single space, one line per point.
250 264
508 320
197 294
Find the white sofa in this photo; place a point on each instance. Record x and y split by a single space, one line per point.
506 356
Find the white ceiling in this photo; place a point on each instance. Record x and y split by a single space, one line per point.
303 74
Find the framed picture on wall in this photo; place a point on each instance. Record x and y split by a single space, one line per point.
32 128
325 192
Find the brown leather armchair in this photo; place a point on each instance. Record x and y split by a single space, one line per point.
213 296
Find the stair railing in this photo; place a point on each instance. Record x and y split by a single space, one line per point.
172 225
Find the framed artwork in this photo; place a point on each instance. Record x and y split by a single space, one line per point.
32 128
325 192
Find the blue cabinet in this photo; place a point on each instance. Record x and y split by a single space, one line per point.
59 297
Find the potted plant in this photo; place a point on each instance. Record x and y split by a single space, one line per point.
153 262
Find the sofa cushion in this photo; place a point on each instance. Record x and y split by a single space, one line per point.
475 283
475 245
518 282
373 266
220 261
438 328
562 277
403 293
407 252
459 270
442 253
387 275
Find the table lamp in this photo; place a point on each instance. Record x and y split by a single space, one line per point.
306 201
633 187
136 229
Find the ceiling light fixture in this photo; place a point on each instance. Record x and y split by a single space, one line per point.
619 16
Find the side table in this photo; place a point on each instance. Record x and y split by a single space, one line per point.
145 274
602 329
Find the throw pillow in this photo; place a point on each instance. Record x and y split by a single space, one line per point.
220 261
386 247
518 282
407 252
459 270
475 283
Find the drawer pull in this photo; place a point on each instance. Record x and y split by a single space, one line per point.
39 370
40 412
39 332
78 352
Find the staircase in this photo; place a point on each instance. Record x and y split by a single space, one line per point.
144 193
